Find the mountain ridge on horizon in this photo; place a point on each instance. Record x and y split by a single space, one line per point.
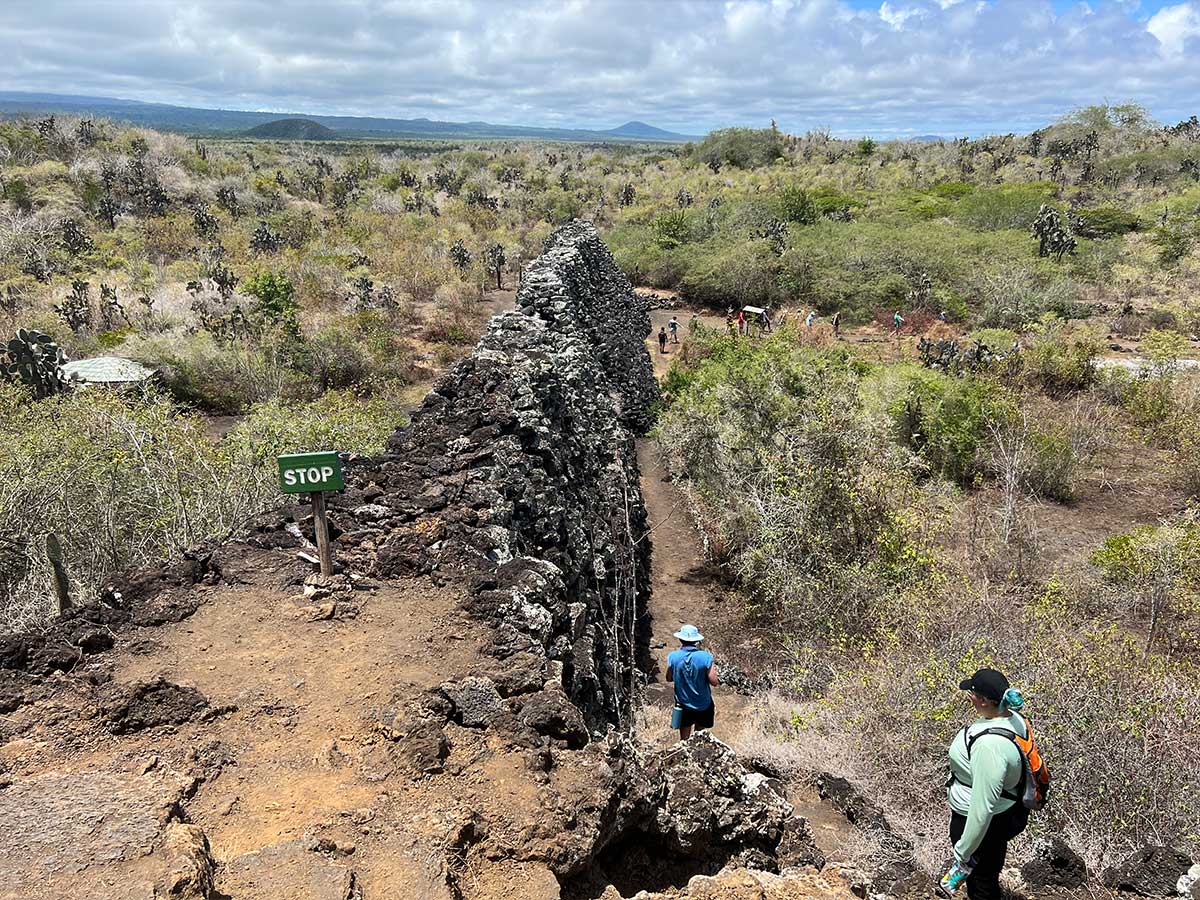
203 121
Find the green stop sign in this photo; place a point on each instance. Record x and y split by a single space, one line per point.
305 473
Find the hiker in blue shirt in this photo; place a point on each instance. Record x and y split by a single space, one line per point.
694 675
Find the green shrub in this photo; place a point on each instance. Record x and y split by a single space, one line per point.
1006 206
276 304
952 190
1062 362
742 148
1160 566
1000 339
1174 241
947 420
216 378
337 420
1104 221
795 489
795 205
122 480
732 274
672 228
1054 460
1185 455
335 359
1164 348
829 200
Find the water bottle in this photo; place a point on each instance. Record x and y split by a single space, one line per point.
953 879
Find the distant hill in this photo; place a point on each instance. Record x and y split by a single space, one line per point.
293 130
927 139
236 122
642 131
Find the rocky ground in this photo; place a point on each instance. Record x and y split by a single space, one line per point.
445 718
452 715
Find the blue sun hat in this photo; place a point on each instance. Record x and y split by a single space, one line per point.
689 633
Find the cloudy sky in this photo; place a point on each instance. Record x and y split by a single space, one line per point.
893 67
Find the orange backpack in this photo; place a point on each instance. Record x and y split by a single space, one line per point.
1033 789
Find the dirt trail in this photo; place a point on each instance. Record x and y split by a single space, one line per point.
681 590
684 592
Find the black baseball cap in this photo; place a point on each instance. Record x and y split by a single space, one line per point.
987 683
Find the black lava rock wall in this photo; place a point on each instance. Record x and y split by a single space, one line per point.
518 472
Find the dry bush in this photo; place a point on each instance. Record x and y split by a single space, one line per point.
126 480
1120 729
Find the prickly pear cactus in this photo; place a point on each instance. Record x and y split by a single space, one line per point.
35 360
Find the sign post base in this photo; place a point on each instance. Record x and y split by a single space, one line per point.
321 526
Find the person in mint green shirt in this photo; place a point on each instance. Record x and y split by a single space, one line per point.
985 770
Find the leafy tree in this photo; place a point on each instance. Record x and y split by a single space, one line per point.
742 148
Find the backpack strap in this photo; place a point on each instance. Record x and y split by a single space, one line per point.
1016 793
1003 732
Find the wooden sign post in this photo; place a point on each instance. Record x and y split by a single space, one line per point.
62 586
314 474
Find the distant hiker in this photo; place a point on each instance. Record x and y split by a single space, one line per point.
694 323
694 675
729 322
662 339
837 324
942 316
741 321
764 321
810 318
674 326
897 321
996 777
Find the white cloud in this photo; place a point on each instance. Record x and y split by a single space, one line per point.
905 66
896 16
1174 26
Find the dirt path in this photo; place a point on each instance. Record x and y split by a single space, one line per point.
684 592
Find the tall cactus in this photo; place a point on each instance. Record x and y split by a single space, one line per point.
35 360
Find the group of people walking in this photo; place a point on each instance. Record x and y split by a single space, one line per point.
743 324
673 326
996 776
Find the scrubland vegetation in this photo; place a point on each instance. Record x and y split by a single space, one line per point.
893 515
896 516
893 526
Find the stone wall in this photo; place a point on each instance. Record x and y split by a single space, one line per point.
518 472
